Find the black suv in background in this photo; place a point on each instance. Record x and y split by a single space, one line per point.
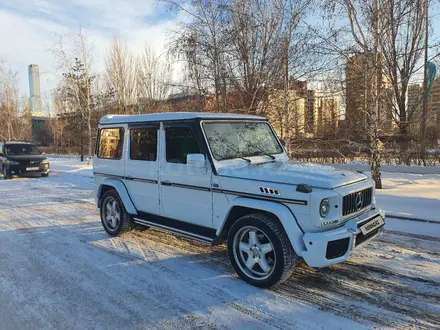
19 158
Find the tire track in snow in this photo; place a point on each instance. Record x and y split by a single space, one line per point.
368 293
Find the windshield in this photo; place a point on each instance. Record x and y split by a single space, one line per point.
21 150
230 140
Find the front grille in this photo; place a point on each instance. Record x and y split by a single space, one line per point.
32 163
351 203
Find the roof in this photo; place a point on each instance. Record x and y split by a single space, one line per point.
170 116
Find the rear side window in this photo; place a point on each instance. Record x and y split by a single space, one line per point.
111 141
180 141
143 144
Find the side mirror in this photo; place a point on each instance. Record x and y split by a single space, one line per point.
196 160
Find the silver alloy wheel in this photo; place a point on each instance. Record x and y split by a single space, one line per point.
112 214
254 252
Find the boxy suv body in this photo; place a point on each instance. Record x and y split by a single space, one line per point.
225 177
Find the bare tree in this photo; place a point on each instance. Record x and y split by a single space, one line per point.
15 121
403 28
120 75
201 43
74 56
238 50
153 78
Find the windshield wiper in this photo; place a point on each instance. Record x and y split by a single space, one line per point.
246 159
268 155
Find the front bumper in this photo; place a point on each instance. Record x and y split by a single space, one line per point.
23 170
333 246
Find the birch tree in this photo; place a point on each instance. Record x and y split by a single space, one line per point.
73 55
236 50
153 78
120 75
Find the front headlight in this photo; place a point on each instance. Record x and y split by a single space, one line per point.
13 162
324 208
44 162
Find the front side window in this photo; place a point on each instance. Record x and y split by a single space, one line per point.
180 141
230 140
21 150
111 141
143 144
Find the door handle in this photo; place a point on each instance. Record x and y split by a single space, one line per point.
166 183
129 177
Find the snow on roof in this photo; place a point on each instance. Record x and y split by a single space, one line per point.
167 116
16 142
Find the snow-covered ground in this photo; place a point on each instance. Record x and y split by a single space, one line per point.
59 269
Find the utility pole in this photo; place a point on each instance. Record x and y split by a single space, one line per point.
425 90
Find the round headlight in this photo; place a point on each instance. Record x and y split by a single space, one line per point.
324 208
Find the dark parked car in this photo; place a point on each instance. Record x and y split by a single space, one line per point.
20 158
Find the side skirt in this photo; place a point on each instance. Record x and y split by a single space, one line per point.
196 232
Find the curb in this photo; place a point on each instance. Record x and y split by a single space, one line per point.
400 217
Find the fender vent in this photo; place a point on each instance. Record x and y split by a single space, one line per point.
269 191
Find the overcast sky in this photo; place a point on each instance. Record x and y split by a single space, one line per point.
28 28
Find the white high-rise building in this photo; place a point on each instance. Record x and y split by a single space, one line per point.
34 89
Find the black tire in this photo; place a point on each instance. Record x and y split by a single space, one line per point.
125 223
45 175
6 174
283 252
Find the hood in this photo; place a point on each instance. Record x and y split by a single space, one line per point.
320 176
26 158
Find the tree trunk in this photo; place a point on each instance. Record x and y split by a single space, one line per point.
82 146
376 172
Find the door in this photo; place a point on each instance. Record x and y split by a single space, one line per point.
185 190
141 168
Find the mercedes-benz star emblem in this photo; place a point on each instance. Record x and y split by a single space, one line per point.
359 201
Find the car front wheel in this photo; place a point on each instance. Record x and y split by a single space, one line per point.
114 217
260 250
6 173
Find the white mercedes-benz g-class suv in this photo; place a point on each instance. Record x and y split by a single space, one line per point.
226 177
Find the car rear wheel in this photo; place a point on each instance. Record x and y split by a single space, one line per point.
114 217
45 175
260 250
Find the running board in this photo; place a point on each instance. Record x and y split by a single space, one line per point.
180 232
